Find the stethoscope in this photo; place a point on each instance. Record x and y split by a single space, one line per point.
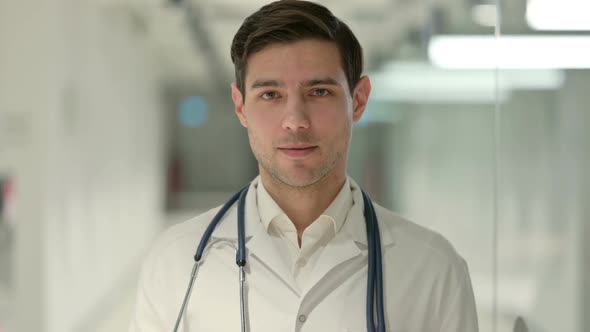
375 267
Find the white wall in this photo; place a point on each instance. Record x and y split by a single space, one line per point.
89 172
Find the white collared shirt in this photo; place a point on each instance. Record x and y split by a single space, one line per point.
426 283
302 260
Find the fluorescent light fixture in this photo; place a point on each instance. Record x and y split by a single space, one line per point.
416 82
510 52
566 15
485 15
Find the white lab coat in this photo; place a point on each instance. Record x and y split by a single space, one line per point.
426 283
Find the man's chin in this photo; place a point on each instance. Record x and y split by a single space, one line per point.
298 180
295 176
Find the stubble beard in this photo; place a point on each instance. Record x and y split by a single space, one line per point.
312 178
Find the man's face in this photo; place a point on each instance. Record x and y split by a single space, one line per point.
299 111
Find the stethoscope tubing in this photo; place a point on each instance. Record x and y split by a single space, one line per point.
374 273
375 269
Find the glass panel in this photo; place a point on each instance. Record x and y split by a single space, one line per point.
425 147
543 162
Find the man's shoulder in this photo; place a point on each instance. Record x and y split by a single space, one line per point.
417 239
183 234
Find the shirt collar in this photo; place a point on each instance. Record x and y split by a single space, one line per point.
269 210
353 229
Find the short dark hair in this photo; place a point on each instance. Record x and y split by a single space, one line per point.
293 20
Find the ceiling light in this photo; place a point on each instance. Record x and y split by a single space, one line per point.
565 15
416 82
510 52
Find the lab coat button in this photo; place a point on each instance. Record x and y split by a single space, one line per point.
302 318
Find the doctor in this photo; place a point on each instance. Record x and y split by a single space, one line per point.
299 88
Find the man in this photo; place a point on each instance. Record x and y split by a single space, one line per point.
298 91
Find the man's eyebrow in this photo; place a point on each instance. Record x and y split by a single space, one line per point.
265 83
321 81
275 84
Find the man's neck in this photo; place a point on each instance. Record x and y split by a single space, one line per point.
303 205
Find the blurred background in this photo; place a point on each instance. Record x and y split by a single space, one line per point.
116 122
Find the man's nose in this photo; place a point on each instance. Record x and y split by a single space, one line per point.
296 115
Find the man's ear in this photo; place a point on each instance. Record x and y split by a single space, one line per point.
236 96
360 98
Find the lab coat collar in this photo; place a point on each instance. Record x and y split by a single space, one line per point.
354 227
258 243
350 242
228 228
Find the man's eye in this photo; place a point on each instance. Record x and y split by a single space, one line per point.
269 95
320 92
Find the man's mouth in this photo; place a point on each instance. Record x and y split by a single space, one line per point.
298 150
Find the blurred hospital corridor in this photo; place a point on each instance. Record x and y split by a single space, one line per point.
116 122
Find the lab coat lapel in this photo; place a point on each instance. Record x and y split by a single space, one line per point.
262 248
339 251
350 242
259 244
